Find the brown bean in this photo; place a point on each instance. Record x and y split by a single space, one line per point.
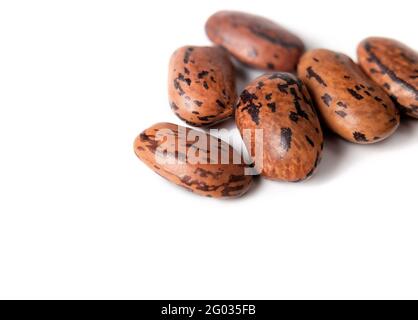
280 106
255 41
394 66
201 85
349 102
194 160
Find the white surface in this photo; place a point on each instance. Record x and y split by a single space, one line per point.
82 217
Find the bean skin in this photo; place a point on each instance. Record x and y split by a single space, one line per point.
393 66
279 105
350 104
201 85
184 157
255 41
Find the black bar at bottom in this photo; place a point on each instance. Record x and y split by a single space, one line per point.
205 309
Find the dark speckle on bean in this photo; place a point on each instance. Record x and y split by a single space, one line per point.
260 84
326 98
220 104
286 138
247 96
355 94
202 74
187 55
358 136
293 116
312 74
341 104
310 141
272 106
341 113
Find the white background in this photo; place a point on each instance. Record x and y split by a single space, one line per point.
82 217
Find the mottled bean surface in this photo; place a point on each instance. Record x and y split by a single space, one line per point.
193 160
394 66
255 41
350 103
280 106
201 85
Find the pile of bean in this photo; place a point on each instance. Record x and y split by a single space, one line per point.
360 102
